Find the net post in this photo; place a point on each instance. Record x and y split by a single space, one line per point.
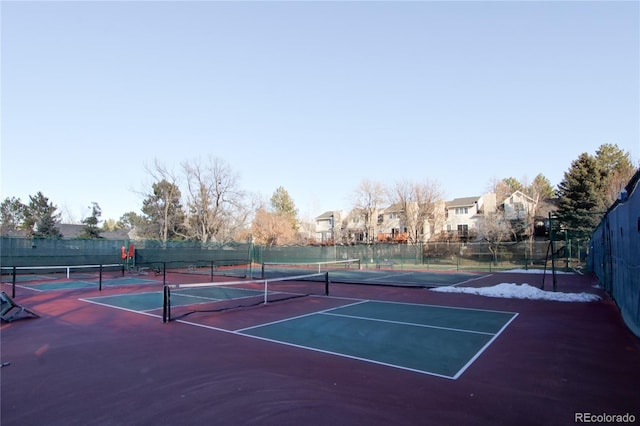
166 305
262 271
164 273
13 283
100 278
265 292
68 272
326 283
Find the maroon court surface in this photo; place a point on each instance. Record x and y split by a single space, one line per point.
85 364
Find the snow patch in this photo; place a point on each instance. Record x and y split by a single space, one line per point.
520 291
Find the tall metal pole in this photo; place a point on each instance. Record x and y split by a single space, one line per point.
553 256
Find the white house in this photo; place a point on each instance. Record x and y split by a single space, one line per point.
518 206
463 214
328 226
390 226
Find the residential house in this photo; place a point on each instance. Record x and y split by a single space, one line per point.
355 229
328 226
70 231
391 229
518 207
518 210
458 218
463 214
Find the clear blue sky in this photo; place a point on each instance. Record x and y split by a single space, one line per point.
311 96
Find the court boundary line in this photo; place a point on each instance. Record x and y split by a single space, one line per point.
342 355
481 351
33 287
459 330
469 280
514 315
143 312
397 274
243 331
427 304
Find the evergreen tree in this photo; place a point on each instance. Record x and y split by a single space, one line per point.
513 184
131 220
617 169
46 227
163 211
41 217
12 215
91 229
283 205
580 197
540 188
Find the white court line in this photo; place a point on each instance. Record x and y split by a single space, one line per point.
342 355
469 280
121 308
242 332
471 361
296 317
460 330
399 274
438 306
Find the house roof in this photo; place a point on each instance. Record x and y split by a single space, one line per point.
519 194
70 230
326 215
462 202
394 208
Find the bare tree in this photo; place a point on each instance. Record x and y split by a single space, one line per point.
367 199
539 190
494 229
162 205
215 201
418 203
272 228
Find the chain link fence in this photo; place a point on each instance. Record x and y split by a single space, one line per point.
615 254
429 256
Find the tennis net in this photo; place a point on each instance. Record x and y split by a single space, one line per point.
180 300
270 269
39 274
70 272
237 268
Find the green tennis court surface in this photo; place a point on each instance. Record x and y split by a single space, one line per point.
441 341
436 340
26 278
153 300
74 284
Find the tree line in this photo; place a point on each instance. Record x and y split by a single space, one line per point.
203 201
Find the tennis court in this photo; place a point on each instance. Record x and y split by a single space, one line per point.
373 354
435 340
